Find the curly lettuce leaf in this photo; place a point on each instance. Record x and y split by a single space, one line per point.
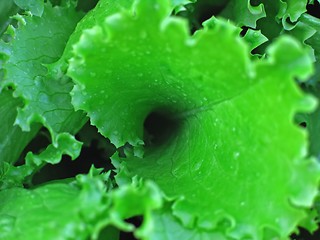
12 135
221 133
254 38
81 209
290 11
36 42
52 211
242 13
103 9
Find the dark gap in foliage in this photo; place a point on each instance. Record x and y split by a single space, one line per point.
38 144
160 127
54 2
95 151
244 31
206 9
305 235
7 10
86 5
136 221
288 20
68 168
122 150
261 49
201 11
255 3
314 9
82 5
303 124
5 36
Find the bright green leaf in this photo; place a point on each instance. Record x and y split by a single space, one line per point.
53 211
223 125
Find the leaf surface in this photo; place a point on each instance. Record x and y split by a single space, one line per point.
223 125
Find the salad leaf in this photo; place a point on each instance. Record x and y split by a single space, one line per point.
205 119
68 203
45 96
75 210
210 132
243 13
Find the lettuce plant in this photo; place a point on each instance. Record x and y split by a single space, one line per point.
203 115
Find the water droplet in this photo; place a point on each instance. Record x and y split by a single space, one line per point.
143 34
198 165
236 154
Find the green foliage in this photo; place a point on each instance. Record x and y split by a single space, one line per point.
198 101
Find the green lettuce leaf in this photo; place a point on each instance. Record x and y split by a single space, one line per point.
52 211
222 136
82 209
12 136
241 13
36 42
